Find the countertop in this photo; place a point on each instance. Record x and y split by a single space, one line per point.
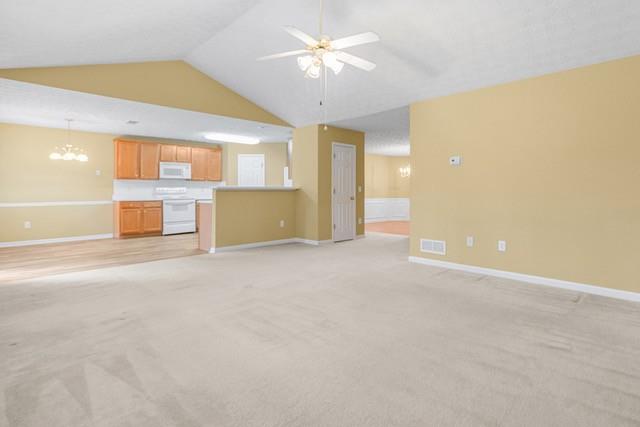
266 188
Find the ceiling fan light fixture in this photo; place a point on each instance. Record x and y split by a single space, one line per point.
329 59
304 62
313 72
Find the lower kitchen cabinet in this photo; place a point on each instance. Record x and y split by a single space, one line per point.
136 219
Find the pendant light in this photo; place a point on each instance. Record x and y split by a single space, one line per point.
68 151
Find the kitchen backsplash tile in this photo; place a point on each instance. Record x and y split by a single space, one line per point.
124 189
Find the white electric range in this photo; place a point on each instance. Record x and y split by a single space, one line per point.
178 211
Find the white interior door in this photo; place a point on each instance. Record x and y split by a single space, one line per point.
344 192
251 170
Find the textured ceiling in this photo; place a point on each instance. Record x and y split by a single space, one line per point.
386 133
428 48
36 105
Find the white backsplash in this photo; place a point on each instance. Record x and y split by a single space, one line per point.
137 189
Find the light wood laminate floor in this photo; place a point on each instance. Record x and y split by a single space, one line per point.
27 262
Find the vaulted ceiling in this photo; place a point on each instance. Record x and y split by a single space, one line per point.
428 48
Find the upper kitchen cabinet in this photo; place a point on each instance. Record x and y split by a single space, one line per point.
127 159
167 153
198 163
136 160
149 160
183 154
175 153
141 160
213 165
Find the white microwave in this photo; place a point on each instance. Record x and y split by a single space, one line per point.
175 170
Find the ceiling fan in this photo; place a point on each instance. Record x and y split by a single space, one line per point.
325 51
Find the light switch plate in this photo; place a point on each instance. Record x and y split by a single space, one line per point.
469 241
98 172
359 220
455 160
502 246
27 224
282 223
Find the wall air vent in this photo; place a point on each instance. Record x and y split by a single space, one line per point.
438 247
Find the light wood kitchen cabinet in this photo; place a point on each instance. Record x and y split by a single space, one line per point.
149 160
213 165
136 160
151 220
167 153
136 219
183 153
127 162
130 221
198 163
141 160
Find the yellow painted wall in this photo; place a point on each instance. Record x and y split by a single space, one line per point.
311 167
28 175
242 217
275 159
50 222
550 164
325 140
304 164
382 176
168 83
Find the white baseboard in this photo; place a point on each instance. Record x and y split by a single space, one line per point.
386 209
312 242
251 245
536 280
268 243
56 240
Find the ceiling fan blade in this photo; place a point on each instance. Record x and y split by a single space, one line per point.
356 61
355 40
283 54
306 38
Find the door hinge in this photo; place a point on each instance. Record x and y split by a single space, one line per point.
334 191
334 226
334 155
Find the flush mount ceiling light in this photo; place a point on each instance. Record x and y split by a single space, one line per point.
68 151
226 137
132 122
327 52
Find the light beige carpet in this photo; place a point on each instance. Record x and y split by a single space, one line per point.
340 335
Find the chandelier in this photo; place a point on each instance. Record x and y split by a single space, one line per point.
68 151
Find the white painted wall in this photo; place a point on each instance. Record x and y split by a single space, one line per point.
386 209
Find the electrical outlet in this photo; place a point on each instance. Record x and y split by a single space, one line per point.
27 224
282 223
502 246
455 160
359 220
359 188
469 241
98 172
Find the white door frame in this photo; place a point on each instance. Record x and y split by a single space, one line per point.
264 169
355 162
